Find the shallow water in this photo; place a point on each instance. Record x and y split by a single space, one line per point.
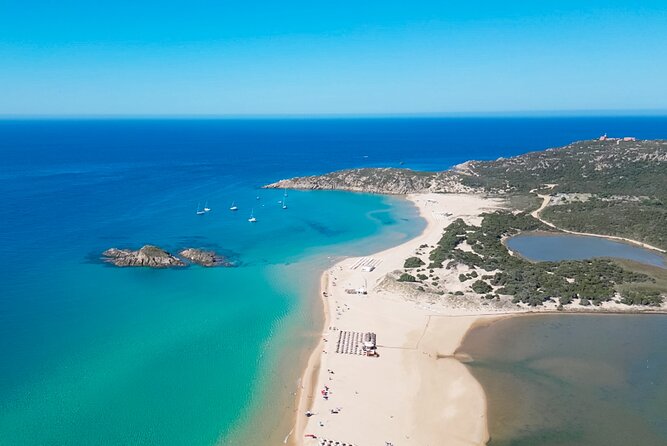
555 247
576 380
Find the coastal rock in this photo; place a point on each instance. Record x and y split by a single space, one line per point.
378 180
204 258
148 256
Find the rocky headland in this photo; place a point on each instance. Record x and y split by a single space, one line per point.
607 186
607 165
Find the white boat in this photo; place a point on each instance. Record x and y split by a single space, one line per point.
199 211
234 207
206 208
252 218
285 194
285 203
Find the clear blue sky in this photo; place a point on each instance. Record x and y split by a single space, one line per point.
330 57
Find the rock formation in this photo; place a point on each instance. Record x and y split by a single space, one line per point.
378 180
148 256
154 257
203 258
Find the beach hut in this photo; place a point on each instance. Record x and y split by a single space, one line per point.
369 344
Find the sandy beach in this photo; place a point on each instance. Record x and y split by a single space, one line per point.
415 392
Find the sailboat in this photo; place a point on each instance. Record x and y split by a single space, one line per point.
234 207
252 218
199 211
206 208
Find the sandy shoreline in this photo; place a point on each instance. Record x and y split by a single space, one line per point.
436 400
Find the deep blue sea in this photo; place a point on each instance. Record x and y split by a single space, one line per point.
97 355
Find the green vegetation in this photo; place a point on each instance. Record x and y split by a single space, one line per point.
531 283
642 296
481 287
644 220
405 277
632 168
524 202
413 262
455 234
627 177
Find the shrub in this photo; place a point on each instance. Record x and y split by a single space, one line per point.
405 277
413 262
481 287
642 296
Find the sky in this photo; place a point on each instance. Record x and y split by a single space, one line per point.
318 57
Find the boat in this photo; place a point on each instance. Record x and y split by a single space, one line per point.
285 193
234 207
285 203
206 208
252 218
199 211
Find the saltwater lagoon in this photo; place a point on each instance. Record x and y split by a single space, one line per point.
543 247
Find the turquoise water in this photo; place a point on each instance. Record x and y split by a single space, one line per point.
573 380
169 356
554 247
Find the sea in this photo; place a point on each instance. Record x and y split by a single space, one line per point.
91 354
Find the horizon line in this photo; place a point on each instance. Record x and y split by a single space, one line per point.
616 113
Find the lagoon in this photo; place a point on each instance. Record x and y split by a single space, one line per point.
551 247
576 380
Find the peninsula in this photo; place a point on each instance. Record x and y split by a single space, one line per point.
418 300
606 186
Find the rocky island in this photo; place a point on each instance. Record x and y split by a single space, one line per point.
154 257
148 256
